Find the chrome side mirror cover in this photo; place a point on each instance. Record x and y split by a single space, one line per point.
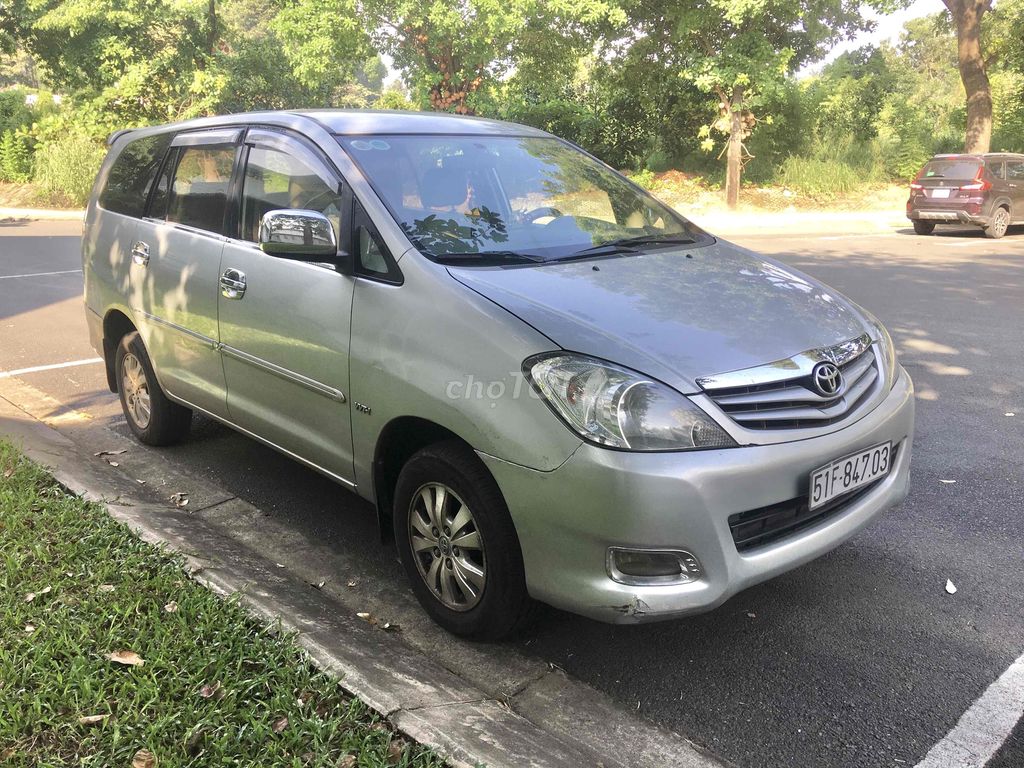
298 234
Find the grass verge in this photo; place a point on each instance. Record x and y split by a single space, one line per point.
215 686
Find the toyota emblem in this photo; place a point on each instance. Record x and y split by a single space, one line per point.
828 379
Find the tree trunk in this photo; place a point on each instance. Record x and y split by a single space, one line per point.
967 16
734 157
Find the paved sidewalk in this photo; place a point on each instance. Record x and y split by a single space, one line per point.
48 214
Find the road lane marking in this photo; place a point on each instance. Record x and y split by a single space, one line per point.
983 728
41 274
53 367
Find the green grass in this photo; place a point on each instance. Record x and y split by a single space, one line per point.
107 592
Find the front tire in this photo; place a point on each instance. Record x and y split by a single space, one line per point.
151 416
924 227
458 545
999 224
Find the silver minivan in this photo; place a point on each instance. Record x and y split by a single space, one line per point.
552 387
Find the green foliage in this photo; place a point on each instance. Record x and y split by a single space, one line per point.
67 166
394 98
15 157
823 180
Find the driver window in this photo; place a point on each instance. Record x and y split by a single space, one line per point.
276 180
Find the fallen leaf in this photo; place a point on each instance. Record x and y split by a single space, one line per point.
352 583
279 565
947 482
208 691
92 719
180 499
9 471
318 584
140 482
751 615
144 759
30 628
395 750
279 725
171 607
367 617
194 743
33 595
106 587
950 587
347 761
128 658
113 463
1009 413
389 627
111 453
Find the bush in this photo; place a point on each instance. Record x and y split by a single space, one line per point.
15 157
819 179
67 166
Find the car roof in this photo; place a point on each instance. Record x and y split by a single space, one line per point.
979 157
351 122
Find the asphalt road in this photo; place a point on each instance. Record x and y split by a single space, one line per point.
858 659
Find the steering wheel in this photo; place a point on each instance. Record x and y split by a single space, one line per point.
540 213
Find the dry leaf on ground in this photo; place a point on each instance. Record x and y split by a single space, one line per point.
128 658
209 691
171 607
144 759
92 719
279 725
347 761
111 453
33 595
106 587
180 499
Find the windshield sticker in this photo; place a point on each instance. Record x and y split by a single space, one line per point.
379 144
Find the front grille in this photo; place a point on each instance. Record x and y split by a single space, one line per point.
793 403
757 527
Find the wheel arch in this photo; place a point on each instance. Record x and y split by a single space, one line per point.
397 442
116 325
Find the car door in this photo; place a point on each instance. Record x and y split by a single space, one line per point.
285 324
176 266
1015 180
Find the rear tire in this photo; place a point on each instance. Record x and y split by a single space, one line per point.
924 227
458 545
151 416
999 224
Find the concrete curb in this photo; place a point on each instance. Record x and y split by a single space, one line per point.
29 214
559 722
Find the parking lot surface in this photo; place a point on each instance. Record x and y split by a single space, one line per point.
860 658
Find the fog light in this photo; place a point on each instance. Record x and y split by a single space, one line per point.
640 567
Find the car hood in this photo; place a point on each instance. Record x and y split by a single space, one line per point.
674 314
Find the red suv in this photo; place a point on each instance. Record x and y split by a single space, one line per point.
986 190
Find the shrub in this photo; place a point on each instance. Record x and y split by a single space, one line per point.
67 166
15 157
819 179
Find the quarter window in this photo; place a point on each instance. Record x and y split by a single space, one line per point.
199 192
1015 171
131 175
276 180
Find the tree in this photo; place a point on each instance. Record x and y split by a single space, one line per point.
740 53
967 16
451 50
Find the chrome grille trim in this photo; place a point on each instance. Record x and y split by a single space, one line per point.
780 395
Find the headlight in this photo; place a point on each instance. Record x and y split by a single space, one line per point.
882 338
620 408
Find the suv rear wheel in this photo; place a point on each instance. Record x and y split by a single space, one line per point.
152 417
458 545
924 227
999 224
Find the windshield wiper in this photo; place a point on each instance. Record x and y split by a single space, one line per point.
478 256
630 245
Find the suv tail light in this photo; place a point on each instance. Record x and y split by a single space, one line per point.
980 183
916 183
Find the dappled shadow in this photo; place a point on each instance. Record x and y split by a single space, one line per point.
966 231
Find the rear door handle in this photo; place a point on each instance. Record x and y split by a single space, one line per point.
140 253
232 284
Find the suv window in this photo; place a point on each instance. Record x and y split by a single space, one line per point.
950 169
131 175
995 167
275 179
199 192
1015 170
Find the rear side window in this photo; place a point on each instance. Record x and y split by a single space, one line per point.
199 192
995 168
132 174
951 169
1015 171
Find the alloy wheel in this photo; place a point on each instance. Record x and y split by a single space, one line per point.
1000 222
136 391
447 546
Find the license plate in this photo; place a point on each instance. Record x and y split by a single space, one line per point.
849 473
940 193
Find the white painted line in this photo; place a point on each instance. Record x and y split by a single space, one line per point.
983 728
41 274
53 367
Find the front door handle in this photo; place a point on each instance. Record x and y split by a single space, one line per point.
232 284
140 253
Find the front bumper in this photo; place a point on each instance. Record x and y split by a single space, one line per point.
568 518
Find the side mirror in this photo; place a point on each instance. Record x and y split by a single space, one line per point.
298 234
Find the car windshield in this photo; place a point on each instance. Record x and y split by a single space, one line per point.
475 198
951 169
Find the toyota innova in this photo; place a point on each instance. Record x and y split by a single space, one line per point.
551 386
